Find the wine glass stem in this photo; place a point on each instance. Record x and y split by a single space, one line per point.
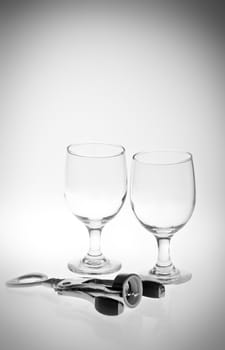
94 242
164 261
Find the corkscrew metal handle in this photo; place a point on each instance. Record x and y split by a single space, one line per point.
108 299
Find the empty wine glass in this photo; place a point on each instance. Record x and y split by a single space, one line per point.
95 189
163 199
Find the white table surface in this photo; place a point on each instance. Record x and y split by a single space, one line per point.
190 316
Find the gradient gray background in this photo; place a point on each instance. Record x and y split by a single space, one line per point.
148 75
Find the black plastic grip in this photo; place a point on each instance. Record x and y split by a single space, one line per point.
108 306
130 287
153 289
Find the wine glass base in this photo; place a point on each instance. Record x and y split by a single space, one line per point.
82 267
177 277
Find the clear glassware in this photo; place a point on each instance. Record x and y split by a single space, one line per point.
95 189
163 200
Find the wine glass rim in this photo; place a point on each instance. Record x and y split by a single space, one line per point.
187 156
83 155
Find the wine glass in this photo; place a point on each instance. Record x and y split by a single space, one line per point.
95 189
163 200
